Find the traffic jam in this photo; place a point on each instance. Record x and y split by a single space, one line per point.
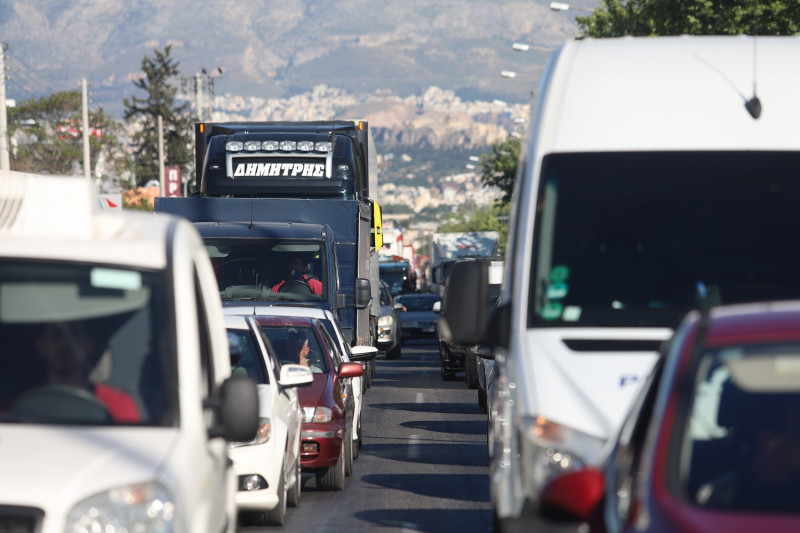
633 346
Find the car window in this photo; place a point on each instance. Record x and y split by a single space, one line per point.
740 435
417 303
288 342
84 344
250 362
333 347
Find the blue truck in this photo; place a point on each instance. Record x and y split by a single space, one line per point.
285 211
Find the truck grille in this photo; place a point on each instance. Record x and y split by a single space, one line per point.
15 519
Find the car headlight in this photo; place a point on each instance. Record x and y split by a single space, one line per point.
317 414
263 434
385 321
549 449
145 508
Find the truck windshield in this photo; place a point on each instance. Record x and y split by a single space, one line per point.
272 269
84 344
638 239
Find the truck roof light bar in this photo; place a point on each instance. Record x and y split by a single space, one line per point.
252 146
270 146
305 146
234 146
288 146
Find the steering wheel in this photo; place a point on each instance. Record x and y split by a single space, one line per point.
64 403
295 285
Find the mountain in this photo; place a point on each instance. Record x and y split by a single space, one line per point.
272 48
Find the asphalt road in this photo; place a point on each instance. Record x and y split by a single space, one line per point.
423 464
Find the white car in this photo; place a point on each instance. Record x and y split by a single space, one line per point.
355 354
268 468
115 374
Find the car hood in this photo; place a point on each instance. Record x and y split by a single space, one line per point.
317 393
57 464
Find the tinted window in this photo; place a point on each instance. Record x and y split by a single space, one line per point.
636 239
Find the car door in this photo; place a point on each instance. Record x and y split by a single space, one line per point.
285 401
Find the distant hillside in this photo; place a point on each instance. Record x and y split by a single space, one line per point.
271 48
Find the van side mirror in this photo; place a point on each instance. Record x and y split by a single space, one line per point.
464 314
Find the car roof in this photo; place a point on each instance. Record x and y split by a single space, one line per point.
750 323
59 218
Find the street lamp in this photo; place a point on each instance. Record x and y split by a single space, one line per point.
525 47
561 6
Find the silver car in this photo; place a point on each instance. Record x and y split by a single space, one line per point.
390 332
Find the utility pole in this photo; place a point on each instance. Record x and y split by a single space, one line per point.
201 83
161 153
4 160
87 170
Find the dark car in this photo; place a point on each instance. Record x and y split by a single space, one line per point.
390 331
712 442
328 404
418 317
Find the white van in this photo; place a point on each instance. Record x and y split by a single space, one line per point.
116 401
645 188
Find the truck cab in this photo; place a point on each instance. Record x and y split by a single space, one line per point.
115 373
274 191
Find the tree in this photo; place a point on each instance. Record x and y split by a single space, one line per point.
614 18
159 72
499 166
47 137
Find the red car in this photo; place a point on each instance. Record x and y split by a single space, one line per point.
713 442
328 404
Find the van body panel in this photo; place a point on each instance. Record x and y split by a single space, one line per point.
569 369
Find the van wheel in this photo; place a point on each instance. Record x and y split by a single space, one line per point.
293 496
394 353
332 477
277 516
482 399
470 371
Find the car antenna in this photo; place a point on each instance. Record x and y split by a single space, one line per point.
753 105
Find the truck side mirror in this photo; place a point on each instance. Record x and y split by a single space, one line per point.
363 293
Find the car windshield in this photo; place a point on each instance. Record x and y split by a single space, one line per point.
637 239
739 440
271 269
84 344
292 342
417 302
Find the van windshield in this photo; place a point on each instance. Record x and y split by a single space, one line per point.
84 344
638 239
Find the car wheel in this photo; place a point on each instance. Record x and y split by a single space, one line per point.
470 371
332 477
447 375
293 496
277 516
482 399
357 442
394 353
348 453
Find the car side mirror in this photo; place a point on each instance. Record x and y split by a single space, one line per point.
437 307
363 353
293 375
